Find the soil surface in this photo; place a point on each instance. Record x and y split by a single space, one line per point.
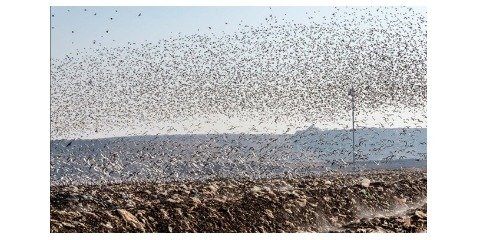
374 201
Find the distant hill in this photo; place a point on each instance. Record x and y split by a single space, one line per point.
197 156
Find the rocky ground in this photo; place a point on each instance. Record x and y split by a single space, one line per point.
376 201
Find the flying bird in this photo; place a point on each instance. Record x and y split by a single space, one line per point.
204 105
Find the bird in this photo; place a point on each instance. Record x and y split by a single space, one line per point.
257 101
69 144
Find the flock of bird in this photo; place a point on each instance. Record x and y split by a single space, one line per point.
193 157
280 72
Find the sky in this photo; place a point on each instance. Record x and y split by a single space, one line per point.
85 28
156 23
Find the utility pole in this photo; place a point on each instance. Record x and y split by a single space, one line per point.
351 93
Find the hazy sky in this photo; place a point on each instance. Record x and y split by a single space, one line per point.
74 28
155 23
81 96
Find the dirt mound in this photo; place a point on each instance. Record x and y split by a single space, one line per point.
379 201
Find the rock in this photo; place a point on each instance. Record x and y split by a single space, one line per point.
361 230
163 193
147 192
196 201
363 191
296 194
269 213
343 206
174 200
301 202
401 201
221 200
165 214
288 223
68 225
420 214
255 189
269 191
178 211
77 223
327 183
213 188
130 204
131 219
70 214
365 182
406 221
285 188
90 214
107 225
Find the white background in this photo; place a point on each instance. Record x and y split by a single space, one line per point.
452 108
